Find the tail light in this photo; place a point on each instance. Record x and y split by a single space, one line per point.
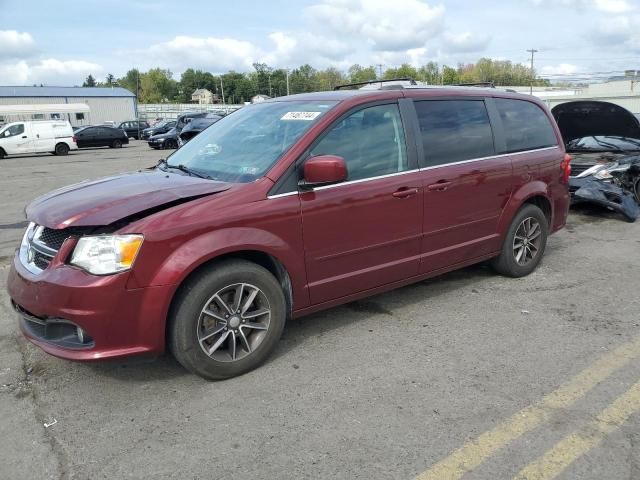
74 139
566 168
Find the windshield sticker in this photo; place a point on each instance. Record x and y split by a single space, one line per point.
305 116
249 170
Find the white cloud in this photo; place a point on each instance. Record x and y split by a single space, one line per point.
561 69
465 42
50 71
15 44
613 6
619 31
292 49
222 54
386 25
210 53
610 6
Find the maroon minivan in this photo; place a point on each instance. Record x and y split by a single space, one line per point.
284 208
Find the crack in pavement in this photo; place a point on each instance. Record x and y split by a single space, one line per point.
30 390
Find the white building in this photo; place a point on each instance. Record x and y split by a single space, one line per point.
623 91
105 104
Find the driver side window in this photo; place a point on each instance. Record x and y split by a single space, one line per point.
14 130
371 141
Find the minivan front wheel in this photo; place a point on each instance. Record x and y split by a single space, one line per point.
226 320
524 244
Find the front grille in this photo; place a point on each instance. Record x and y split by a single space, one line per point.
55 238
578 168
41 260
41 245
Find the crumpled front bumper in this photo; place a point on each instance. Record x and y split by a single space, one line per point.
604 193
115 321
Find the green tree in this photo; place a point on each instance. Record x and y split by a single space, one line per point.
157 86
358 73
89 82
130 81
450 75
404 71
430 73
109 80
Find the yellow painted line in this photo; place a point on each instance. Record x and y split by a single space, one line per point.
570 448
473 453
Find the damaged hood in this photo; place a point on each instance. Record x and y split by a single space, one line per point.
591 118
102 202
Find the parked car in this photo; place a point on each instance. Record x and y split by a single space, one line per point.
41 136
161 127
101 136
604 141
185 118
196 126
133 128
164 140
285 208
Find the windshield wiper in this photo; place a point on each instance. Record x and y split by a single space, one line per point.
190 171
608 145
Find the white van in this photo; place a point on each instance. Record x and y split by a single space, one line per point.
42 136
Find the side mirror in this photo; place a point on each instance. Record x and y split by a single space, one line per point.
324 169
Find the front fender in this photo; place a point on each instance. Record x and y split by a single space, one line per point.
519 197
156 268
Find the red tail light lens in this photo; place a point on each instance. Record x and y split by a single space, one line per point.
566 168
75 140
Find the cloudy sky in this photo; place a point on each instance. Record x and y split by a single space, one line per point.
59 43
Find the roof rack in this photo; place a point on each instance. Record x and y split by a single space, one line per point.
476 84
371 82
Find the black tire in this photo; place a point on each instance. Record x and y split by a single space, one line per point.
197 294
62 149
2 154
171 144
507 262
116 144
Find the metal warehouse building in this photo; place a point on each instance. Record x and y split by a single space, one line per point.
105 104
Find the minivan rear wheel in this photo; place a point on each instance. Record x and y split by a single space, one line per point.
524 243
62 149
226 320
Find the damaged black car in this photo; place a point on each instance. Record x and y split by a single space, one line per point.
604 141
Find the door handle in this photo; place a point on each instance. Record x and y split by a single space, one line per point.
405 192
24 136
440 186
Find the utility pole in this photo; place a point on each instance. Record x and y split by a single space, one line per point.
380 69
287 82
222 89
532 52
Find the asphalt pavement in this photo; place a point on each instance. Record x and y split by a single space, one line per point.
469 375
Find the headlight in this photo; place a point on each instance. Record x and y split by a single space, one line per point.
606 171
106 254
603 174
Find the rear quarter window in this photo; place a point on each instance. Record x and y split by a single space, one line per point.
526 126
454 130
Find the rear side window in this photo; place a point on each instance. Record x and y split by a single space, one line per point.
454 130
526 127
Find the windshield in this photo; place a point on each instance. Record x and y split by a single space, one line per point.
244 145
603 143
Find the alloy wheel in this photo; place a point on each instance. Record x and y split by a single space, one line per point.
233 322
527 240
